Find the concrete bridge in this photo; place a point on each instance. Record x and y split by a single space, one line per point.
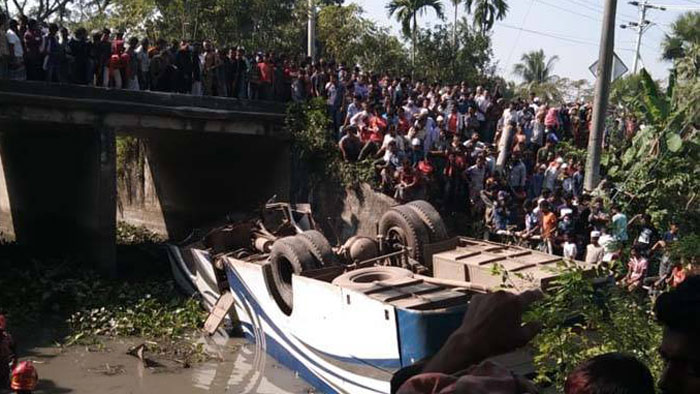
204 157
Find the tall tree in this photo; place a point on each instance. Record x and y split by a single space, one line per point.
534 67
42 9
486 12
685 31
407 11
456 4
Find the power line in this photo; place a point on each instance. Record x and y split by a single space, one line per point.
555 36
598 9
569 11
517 38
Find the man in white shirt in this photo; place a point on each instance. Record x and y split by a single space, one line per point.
16 71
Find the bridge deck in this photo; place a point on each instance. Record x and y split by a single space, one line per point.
123 109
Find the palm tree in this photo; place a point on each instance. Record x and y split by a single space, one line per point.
486 12
407 11
685 32
534 67
456 4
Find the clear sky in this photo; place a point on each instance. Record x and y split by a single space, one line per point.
568 28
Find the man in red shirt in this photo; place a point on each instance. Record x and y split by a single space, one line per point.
267 72
33 58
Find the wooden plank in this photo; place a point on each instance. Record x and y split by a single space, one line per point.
218 313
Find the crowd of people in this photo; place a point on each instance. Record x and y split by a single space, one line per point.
38 51
508 163
463 148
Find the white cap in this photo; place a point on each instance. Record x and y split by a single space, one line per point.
595 234
423 112
440 118
566 211
415 142
537 99
560 160
564 166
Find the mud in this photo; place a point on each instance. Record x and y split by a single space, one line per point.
238 367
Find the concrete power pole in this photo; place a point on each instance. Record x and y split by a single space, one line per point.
602 92
641 27
311 48
640 32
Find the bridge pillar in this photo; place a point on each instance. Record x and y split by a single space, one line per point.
57 191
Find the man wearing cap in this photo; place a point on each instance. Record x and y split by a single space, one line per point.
594 251
552 173
534 187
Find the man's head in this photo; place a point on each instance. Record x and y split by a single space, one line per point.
611 373
14 26
674 228
678 311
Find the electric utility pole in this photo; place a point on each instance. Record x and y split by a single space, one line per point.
602 91
311 45
641 26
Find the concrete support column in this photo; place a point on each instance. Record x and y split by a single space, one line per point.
103 249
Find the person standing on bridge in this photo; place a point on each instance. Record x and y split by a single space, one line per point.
79 50
131 65
52 51
16 70
4 48
144 63
34 59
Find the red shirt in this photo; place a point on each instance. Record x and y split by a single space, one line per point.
403 126
266 72
452 123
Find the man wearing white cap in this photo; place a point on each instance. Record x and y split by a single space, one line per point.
594 251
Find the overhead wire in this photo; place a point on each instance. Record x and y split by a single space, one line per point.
517 38
557 36
569 11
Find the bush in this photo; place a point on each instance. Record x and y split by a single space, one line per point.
581 321
317 150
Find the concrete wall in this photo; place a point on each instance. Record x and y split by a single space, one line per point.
191 181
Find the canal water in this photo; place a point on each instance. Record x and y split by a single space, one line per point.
240 368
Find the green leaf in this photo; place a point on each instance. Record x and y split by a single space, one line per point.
656 104
629 157
674 142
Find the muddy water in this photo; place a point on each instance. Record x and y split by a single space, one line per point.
242 369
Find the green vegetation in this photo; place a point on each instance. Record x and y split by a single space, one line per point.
581 320
406 13
317 149
486 12
83 307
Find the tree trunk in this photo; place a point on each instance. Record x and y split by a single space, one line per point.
454 28
413 44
